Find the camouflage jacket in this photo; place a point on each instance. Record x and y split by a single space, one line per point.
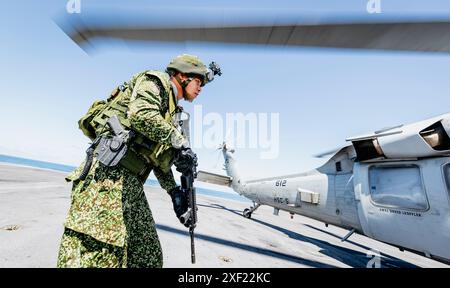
97 203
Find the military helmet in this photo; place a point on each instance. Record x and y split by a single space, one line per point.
190 65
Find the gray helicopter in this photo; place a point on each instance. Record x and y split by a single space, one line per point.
392 185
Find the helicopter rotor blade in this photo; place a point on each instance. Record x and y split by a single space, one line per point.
400 36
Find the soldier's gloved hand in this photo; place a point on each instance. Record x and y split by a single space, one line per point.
178 140
185 160
180 203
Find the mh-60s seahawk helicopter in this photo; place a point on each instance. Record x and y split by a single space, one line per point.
392 185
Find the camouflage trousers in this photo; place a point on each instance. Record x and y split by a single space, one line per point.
110 223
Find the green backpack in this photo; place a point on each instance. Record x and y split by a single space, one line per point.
85 122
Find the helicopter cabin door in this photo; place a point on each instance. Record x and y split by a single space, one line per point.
405 203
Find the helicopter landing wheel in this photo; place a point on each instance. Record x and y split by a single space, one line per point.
247 213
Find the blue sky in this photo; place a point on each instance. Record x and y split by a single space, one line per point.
322 95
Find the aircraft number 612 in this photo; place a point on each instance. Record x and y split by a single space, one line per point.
281 183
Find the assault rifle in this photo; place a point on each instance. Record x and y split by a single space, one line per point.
190 217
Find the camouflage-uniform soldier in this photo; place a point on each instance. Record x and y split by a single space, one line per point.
109 223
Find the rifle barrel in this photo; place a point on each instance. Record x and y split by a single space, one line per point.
191 231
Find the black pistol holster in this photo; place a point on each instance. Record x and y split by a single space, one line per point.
116 149
112 148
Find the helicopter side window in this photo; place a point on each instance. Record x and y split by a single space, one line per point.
397 186
447 177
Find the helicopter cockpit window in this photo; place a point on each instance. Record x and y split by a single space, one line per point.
397 186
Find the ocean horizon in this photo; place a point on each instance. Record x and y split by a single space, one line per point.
150 182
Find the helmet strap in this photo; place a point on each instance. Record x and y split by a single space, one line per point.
183 83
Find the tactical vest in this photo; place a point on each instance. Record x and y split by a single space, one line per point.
143 151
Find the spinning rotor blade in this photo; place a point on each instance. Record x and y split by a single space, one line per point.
401 36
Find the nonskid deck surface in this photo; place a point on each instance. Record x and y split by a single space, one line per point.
34 203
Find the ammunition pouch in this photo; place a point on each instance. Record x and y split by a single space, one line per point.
141 165
136 165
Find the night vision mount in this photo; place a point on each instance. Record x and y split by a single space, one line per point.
214 69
